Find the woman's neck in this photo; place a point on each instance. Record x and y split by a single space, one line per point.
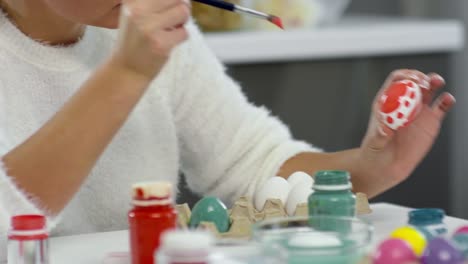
36 20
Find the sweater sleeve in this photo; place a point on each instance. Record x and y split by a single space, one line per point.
13 200
228 146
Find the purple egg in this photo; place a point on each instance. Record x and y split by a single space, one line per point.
394 251
441 251
462 230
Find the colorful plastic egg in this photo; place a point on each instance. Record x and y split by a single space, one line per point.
462 230
460 241
400 104
210 209
413 236
441 251
394 251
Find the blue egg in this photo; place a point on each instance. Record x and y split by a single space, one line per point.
210 209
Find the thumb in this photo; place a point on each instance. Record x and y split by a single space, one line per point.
380 137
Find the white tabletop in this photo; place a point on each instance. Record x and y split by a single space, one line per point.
351 37
92 248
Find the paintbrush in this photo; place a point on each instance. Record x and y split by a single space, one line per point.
239 9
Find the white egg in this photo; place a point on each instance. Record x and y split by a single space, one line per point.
314 240
300 177
297 195
274 188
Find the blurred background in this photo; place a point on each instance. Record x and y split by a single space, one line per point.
323 86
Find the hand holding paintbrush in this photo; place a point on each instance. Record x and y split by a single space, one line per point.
239 9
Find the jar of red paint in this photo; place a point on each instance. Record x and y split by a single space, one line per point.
152 214
28 240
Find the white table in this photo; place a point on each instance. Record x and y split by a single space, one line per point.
92 248
351 37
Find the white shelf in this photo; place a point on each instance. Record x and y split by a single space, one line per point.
352 37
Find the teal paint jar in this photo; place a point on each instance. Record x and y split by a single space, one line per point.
332 196
430 221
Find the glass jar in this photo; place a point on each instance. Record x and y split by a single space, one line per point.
429 221
151 216
332 196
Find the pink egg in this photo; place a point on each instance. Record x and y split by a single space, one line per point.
394 251
462 230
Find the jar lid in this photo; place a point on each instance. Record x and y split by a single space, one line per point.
183 240
332 180
28 222
144 191
426 216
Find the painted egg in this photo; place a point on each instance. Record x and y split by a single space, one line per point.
300 177
413 237
461 242
394 251
441 251
274 188
298 194
462 230
210 209
400 104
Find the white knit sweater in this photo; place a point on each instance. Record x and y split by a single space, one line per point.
194 118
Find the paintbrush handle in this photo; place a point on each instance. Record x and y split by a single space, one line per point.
239 9
219 4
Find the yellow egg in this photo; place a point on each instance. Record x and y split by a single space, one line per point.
414 237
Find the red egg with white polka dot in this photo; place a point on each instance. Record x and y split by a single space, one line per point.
400 104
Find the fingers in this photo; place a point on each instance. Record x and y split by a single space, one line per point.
442 105
160 23
436 82
171 39
418 77
380 137
429 83
168 20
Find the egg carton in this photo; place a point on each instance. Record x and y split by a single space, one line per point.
243 215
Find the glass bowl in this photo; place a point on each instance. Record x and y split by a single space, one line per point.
317 239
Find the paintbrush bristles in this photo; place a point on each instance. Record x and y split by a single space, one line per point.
277 21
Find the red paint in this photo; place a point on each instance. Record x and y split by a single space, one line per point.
28 223
277 21
389 120
400 115
139 194
147 223
390 98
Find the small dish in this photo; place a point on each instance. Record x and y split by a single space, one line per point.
305 240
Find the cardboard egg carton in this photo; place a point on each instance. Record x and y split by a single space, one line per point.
243 214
